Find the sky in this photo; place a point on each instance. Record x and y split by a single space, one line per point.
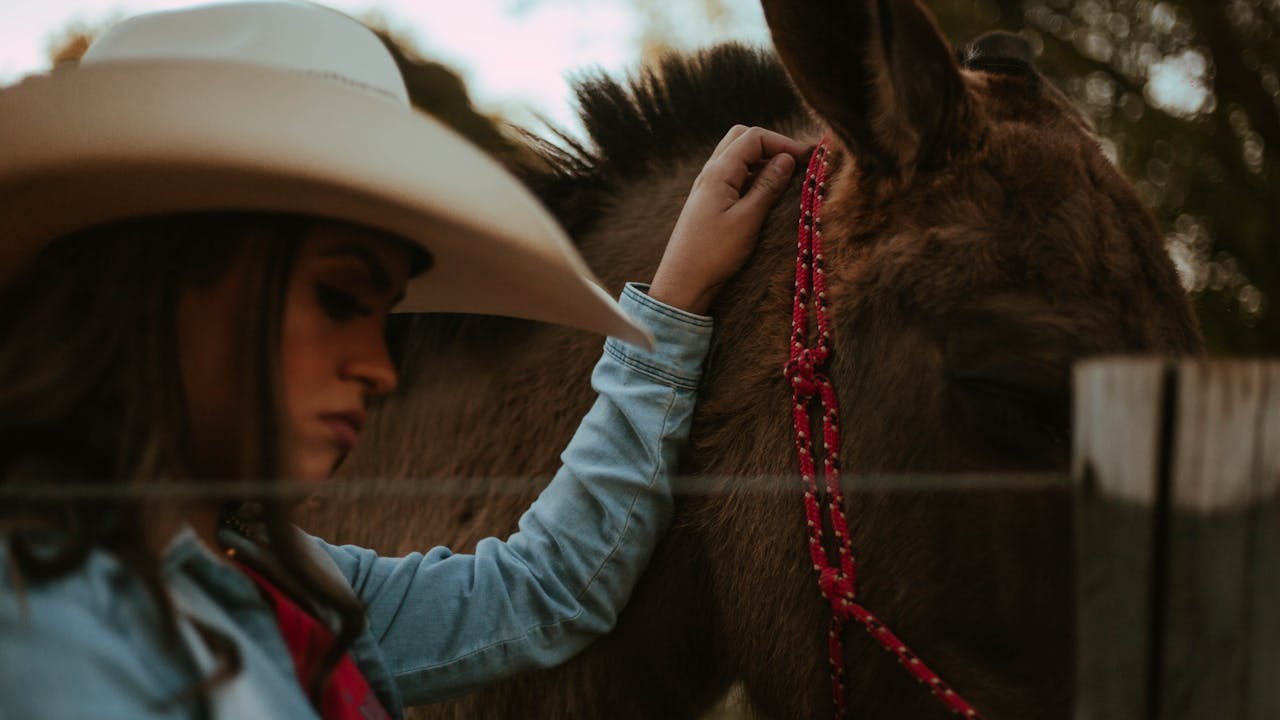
515 55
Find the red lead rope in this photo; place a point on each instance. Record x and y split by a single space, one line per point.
805 373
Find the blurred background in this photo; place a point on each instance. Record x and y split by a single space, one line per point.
1185 94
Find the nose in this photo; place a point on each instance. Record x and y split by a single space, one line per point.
372 367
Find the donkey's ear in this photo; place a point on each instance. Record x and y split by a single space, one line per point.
880 74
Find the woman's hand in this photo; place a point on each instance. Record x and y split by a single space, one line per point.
720 223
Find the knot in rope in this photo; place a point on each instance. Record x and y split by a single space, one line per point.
835 586
803 372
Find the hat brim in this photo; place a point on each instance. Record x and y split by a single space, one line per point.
119 140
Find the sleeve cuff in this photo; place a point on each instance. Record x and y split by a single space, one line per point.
681 340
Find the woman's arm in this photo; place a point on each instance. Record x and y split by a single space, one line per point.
447 623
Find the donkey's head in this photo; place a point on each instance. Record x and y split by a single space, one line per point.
979 240
977 243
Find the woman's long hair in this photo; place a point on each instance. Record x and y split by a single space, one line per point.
91 396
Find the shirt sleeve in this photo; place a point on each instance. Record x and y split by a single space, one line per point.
447 623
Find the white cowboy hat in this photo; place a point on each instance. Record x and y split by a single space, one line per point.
287 107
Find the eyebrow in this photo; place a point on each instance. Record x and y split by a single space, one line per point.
377 272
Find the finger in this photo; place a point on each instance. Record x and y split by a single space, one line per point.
767 187
759 144
734 165
734 133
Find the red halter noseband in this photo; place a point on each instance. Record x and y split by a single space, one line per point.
805 372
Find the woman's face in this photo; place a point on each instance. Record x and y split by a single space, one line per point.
333 350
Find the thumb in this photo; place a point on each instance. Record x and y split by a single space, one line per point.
768 186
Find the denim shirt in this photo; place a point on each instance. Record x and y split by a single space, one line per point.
90 644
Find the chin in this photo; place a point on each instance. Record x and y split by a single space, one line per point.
317 468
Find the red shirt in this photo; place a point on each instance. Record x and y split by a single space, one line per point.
347 695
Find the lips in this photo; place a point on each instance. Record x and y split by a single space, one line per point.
345 426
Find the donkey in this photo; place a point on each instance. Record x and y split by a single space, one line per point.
978 242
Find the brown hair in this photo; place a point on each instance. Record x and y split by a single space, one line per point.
91 399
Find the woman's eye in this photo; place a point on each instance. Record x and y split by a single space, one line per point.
340 306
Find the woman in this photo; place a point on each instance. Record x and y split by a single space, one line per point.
205 226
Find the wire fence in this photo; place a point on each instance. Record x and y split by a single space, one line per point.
474 487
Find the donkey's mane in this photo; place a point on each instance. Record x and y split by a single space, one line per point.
677 108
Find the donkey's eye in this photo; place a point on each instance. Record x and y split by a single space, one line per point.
340 306
1014 418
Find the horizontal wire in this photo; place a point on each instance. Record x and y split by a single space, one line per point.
471 487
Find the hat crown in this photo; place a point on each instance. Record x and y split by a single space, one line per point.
276 35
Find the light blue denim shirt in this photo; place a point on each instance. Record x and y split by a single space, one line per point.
90 644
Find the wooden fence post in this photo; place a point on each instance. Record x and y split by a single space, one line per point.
1119 405
1177 467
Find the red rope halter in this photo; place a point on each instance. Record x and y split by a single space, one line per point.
805 373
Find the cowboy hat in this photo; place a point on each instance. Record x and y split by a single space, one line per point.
283 107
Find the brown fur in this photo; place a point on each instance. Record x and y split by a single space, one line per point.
975 251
